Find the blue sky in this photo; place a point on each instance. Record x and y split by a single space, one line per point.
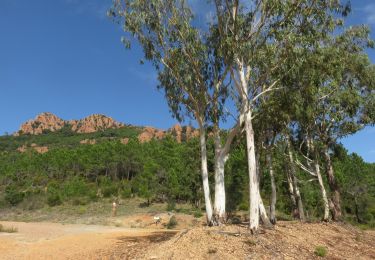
65 57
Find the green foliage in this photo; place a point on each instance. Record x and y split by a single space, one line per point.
53 195
167 171
54 199
126 190
172 223
13 196
65 137
321 251
171 206
75 187
108 187
198 214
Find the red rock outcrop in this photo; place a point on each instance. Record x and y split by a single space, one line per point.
176 131
94 123
39 149
97 122
88 141
50 122
150 133
43 122
124 140
191 133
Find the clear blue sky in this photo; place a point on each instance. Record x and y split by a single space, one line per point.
65 57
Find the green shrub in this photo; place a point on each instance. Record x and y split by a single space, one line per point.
108 187
171 205
110 190
321 251
172 223
13 196
54 199
243 206
80 201
198 214
75 187
126 191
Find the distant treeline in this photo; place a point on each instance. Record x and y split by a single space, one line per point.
167 171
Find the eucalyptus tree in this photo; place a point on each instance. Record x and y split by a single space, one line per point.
337 100
348 105
257 37
190 72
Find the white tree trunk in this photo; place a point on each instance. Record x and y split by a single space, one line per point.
206 186
263 214
273 189
296 192
253 178
221 156
219 206
311 146
323 191
291 189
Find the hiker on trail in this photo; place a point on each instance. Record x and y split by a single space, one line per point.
114 209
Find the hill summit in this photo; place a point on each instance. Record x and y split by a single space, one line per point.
50 122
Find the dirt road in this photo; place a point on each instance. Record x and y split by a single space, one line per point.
288 240
72 241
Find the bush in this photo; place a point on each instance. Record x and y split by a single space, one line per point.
108 187
75 187
198 214
321 251
12 196
243 206
54 199
171 205
172 223
109 190
8 230
126 191
80 201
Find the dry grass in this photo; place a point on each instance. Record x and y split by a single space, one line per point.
8 229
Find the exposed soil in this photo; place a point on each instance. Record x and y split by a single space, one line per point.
75 241
289 240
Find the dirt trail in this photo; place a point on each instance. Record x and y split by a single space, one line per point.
289 240
58 241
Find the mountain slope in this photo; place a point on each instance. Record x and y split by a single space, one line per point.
48 131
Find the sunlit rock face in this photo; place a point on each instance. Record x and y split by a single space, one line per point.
50 122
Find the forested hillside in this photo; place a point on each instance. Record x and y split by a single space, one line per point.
165 171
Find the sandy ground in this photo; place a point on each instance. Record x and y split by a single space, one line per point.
66 241
289 240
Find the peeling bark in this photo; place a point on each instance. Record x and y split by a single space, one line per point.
334 187
323 191
273 189
219 204
253 178
320 179
293 179
206 186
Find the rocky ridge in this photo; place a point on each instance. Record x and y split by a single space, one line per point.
50 122
97 122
